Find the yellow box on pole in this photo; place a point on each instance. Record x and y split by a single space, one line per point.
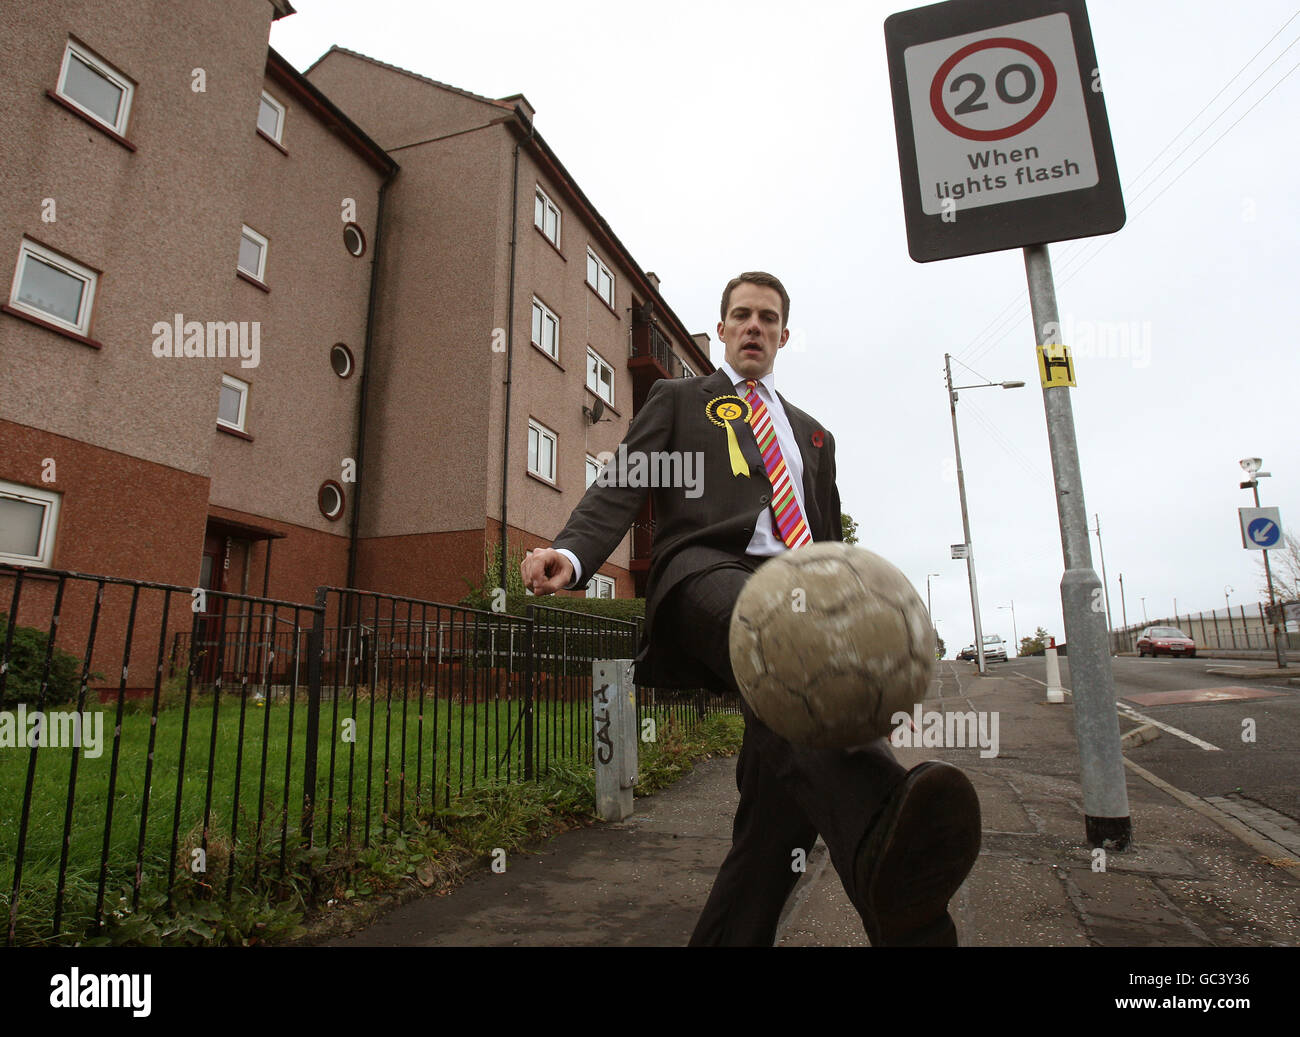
1055 366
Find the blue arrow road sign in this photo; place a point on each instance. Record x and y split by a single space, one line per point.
1264 532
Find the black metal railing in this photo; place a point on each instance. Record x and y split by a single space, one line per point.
218 735
179 767
658 347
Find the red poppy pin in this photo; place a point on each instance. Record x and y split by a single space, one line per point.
818 438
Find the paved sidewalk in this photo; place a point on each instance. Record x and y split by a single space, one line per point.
1195 875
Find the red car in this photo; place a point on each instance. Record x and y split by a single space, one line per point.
1167 641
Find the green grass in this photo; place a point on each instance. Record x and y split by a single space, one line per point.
400 768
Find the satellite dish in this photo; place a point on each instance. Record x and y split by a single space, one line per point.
595 412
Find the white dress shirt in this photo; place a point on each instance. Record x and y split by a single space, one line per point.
766 540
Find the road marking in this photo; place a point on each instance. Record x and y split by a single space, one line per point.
1271 850
1133 714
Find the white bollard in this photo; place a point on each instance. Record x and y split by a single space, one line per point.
614 705
1055 693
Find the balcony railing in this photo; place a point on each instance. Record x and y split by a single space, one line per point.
660 350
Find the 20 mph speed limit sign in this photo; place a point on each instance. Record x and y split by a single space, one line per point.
1002 132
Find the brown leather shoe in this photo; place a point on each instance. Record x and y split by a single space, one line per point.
915 857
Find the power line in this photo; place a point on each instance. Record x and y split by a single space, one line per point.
1017 304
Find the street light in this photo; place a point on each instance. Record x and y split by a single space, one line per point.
1110 625
1014 633
961 490
1251 467
1226 591
1144 610
928 609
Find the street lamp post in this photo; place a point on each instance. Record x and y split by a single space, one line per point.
1104 582
965 514
1228 608
1144 609
1015 634
928 609
1123 605
1251 466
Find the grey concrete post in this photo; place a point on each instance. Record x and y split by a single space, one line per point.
1101 760
614 711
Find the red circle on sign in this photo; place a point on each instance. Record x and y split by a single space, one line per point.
1045 102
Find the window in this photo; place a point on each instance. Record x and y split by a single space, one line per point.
53 287
600 377
354 239
252 254
28 519
593 469
600 587
95 87
232 411
270 118
546 217
341 360
541 451
546 330
330 500
686 370
599 277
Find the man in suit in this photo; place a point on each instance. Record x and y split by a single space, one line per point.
902 842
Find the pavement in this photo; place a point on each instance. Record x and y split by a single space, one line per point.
1199 871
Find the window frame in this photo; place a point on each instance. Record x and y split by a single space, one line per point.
110 72
543 432
260 276
600 363
280 110
597 582
49 525
686 369
87 276
548 205
231 382
592 476
600 268
546 311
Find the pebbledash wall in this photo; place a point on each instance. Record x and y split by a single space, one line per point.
434 453
148 482
129 441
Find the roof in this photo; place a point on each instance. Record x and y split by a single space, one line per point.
278 67
523 127
507 104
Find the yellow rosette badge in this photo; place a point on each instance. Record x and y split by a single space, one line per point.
724 411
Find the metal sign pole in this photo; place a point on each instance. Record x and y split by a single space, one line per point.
1105 795
1272 600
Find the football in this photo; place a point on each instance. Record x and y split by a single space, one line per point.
828 642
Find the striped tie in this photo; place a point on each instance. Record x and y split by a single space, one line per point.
785 507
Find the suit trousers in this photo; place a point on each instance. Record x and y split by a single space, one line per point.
789 794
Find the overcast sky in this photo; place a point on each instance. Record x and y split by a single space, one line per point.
723 136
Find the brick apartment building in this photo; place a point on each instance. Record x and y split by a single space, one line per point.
257 344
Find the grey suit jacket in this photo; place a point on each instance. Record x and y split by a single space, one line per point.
694 529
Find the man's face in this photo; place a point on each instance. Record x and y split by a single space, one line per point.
752 330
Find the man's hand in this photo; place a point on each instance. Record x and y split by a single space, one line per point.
546 571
